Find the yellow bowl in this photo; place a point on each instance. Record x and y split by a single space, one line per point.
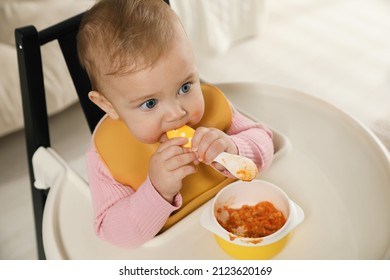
240 252
241 193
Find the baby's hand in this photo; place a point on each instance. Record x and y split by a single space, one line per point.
170 164
210 142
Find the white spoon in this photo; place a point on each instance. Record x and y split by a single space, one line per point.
239 166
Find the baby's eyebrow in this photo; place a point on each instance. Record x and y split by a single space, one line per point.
142 98
189 76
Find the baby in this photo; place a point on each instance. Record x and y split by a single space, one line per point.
143 75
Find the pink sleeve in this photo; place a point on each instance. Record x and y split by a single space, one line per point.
123 216
252 139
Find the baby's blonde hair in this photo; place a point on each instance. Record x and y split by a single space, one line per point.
123 36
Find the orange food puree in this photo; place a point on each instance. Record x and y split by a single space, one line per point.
255 221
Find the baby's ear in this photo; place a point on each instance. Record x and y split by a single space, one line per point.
103 103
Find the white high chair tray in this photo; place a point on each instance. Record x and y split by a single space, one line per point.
331 166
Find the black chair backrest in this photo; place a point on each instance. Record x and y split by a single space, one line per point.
28 44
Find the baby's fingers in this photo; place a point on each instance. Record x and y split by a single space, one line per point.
208 143
174 142
180 160
183 171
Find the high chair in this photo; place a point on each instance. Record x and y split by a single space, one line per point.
28 43
326 160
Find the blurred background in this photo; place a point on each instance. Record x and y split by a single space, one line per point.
336 50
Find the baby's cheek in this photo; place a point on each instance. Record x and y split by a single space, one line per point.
196 117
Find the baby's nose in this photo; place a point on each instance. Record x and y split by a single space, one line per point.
176 112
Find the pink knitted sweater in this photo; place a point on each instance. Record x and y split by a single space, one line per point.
129 218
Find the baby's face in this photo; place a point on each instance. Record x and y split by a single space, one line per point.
163 97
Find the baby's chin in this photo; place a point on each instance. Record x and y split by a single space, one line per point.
149 140
163 138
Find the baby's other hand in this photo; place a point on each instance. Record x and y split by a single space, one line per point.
169 165
207 143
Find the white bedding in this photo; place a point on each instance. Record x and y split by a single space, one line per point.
60 92
213 26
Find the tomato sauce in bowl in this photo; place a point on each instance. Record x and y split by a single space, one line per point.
254 221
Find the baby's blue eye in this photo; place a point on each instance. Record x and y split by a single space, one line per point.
185 88
149 104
